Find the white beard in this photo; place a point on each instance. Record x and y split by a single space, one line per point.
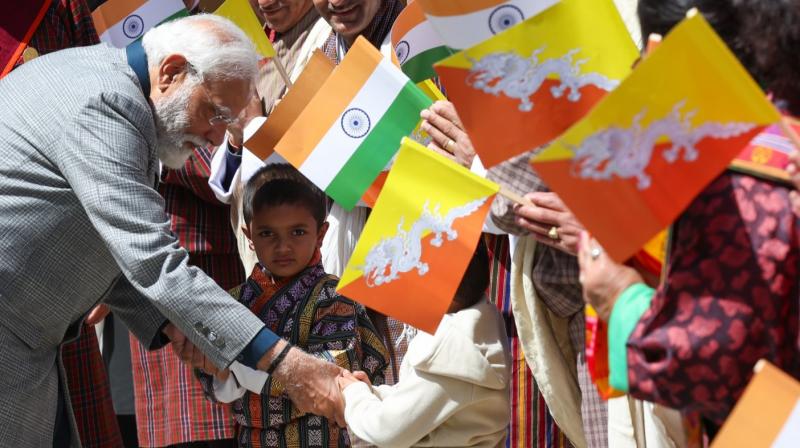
172 120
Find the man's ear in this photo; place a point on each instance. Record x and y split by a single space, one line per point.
246 231
321 234
171 70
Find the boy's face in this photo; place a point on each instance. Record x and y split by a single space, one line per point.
285 238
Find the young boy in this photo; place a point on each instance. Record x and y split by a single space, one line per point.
289 290
453 388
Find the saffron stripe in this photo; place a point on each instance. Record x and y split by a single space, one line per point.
109 13
370 104
338 91
149 16
457 7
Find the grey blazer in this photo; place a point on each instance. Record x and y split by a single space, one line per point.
78 166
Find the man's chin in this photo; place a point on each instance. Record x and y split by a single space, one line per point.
175 158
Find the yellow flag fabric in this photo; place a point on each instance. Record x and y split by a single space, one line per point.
419 238
241 13
647 149
538 78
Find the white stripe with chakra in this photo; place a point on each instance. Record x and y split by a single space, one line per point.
408 46
467 30
371 102
147 16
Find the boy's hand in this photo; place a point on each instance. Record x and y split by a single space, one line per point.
345 380
360 376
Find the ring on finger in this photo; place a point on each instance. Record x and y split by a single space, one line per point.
553 233
449 146
595 253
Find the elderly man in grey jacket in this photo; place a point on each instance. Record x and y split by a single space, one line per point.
83 133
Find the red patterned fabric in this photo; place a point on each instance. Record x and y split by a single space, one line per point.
730 298
531 425
16 28
68 23
90 392
170 405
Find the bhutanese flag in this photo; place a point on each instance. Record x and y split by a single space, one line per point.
418 135
523 88
352 127
416 43
464 23
241 13
646 150
419 238
121 22
767 415
262 143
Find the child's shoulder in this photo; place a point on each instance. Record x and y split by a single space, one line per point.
325 292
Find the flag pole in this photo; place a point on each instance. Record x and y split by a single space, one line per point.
282 71
510 195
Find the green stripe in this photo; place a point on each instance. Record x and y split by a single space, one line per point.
625 315
420 67
182 13
378 147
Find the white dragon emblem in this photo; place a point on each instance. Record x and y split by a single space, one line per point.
402 253
626 153
521 78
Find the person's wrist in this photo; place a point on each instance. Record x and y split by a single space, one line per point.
234 144
628 280
270 355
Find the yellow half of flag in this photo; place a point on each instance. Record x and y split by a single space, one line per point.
538 78
241 13
647 149
419 239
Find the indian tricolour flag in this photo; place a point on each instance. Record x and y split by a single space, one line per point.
122 22
463 24
353 126
417 45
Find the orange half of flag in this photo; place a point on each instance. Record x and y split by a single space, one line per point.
262 142
524 87
634 163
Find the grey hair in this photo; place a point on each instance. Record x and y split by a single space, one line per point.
215 47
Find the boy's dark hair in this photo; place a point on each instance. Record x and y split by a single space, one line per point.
473 285
281 184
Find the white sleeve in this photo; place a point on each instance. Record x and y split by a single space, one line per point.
216 178
250 379
404 414
248 166
227 391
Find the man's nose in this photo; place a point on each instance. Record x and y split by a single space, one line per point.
216 134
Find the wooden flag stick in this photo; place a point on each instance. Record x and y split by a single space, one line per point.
514 197
282 71
789 131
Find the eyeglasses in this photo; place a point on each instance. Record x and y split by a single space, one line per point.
220 117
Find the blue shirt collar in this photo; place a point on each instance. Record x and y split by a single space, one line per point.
137 59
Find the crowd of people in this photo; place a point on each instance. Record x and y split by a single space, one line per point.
131 210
